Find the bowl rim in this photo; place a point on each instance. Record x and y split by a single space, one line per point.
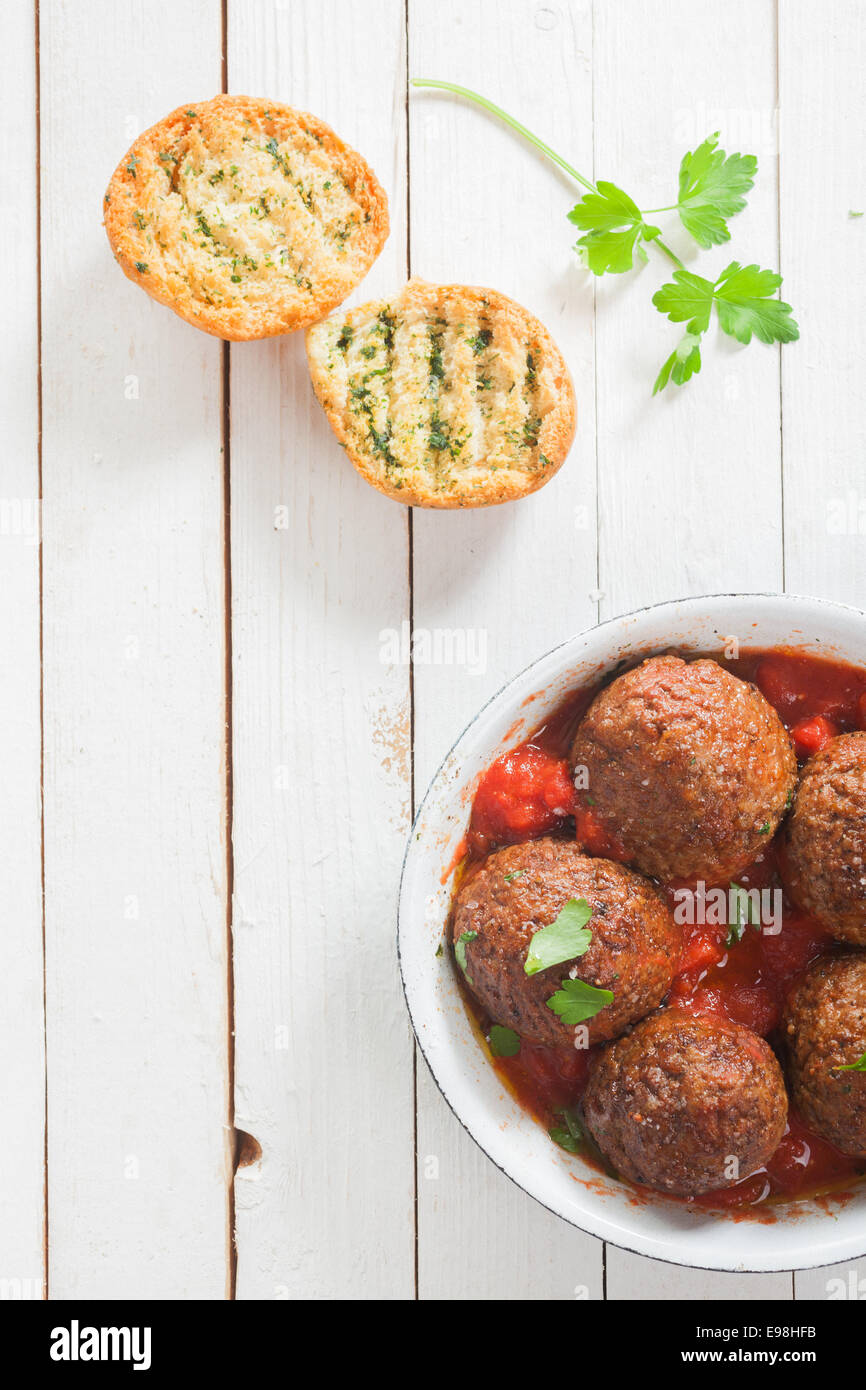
591 1224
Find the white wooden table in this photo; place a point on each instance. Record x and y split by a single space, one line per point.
209 763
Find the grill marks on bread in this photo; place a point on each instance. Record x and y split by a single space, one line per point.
246 217
446 396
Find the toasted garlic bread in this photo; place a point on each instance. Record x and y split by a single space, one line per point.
246 217
445 396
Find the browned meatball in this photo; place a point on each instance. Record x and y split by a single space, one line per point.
687 766
634 950
826 839
824 1028
677 1100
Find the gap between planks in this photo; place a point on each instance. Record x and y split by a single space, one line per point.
232 1140
45 1230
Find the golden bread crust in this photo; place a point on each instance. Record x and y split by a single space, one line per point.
246 217
445 395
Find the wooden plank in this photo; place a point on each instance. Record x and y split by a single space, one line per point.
21 992
822 130
823 124
135 852
321 747
689 481
833 1283
511 581
634 1277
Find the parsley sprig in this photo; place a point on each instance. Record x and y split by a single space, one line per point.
712 188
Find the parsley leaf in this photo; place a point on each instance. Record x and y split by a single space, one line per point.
712 185
745 305
569 1134
614 228
690 298
504 1042
859 1065
563 939
683 363
460 951
575 1001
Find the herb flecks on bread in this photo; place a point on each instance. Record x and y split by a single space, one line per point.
445 396
246 217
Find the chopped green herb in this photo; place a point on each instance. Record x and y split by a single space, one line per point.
460 951
438 435
141 267
480 341
859 1065
565 938
515 873
569 1134
504 1042
740 914
437 368
531 430
575 1001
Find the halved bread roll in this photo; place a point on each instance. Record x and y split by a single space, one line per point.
245 217
446 395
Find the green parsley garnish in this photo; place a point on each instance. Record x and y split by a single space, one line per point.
563 939
744 299
480 341
460 951
616 233
504 1042
859 1065
569 1134
740 914
141 267
575 1001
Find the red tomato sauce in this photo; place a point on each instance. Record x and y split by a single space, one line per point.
527 792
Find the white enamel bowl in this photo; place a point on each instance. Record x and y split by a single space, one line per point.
803 1234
